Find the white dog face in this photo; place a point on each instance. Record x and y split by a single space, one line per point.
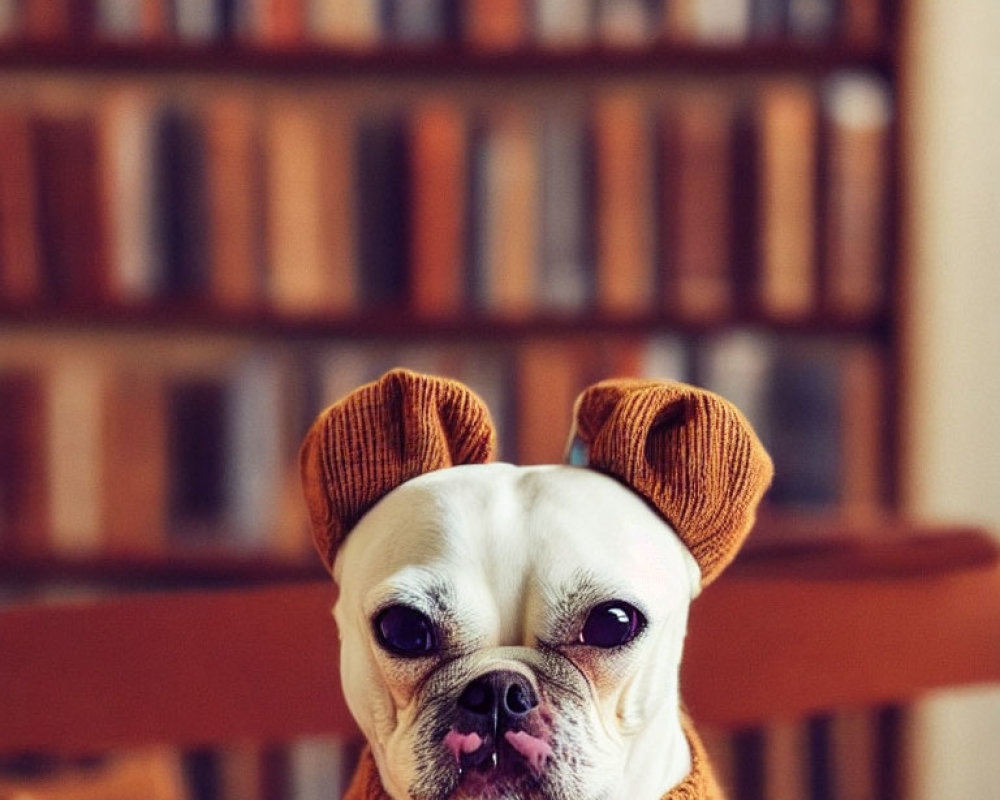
516 632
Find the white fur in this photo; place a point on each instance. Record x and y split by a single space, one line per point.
498 550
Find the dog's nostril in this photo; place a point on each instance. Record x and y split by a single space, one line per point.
518 699
502 693
477 698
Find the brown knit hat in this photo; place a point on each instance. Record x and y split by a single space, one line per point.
689 452
379 436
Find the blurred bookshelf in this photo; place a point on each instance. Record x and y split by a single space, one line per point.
217 218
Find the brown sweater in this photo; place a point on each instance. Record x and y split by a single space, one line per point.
700 784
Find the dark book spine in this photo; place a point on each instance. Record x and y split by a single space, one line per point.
196 454
23 483
72 232
383 197
182 204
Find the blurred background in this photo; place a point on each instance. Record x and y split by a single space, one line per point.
218 217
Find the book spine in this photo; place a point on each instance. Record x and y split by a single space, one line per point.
625 23
562 23
417 22
134 451
862 22
548 380
233 141
858 114
196 455
340 225
788 129
510 213
786 760
75 460
351 24
623 153
297 278
182 201
71 221
24 474
566 259
128 144
20 267
382 192
438 141
496 25
701 258
863 490
258 448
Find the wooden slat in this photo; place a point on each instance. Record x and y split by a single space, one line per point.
203 667
761 648
187 668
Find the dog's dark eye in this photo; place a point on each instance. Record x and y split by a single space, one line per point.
612 624
404 631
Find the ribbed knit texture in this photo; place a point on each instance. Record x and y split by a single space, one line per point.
700 783
378 437
689 452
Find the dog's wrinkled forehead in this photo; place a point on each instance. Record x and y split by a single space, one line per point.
519 531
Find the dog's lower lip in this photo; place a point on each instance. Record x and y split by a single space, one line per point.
483 757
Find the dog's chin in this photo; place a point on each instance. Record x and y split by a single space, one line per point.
503 781
498 785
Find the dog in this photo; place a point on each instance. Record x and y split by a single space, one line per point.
516 632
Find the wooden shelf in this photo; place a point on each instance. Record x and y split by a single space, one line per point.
308 60
211 667
780 548
194 567
204 317
879 549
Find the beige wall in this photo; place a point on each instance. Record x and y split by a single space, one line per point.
954 333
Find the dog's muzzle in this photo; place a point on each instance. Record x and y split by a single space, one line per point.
497 726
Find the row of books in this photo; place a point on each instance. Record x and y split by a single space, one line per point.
309 769
840 754
696 200
834 756
481 24
134 448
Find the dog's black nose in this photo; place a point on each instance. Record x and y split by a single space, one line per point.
502 696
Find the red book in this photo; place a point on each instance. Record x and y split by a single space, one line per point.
284 22
496 24
20 276
134 505
72 224
550 375
155 20
232 142
699 207
861 22
624 203
59 20
339 219
787 152
438 161
23 474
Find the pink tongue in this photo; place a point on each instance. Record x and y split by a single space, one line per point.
459 743
535 751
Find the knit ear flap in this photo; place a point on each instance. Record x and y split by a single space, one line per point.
687 451
380 436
